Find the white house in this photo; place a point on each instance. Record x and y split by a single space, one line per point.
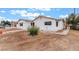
23 24
48 24
43 23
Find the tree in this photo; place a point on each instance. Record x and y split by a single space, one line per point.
73 19
8 23
77 20
5 23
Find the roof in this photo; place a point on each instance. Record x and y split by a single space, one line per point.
47 17
27 20
14 22
40 16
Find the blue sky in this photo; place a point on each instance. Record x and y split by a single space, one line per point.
31 13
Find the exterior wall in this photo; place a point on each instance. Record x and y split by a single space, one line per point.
25 26
40 23
13 24
60 25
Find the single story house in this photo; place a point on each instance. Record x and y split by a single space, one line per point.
23 24
43 23
48 24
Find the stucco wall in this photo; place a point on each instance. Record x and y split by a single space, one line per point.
25 25
39 22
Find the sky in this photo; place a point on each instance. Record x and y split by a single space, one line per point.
13 14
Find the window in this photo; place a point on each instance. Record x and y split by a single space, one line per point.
14 25
56 23
32 24
48 23
21 24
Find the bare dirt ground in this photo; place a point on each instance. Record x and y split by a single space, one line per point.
21 41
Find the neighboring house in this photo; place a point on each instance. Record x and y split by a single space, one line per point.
14 24
24 24
48 24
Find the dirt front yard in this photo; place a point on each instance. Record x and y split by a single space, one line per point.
21 41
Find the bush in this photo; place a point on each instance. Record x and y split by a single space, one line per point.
33 30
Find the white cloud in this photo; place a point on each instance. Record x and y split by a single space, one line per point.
30 17
2 11
42 14
24 13
4 18
33 14
57 9
48 16
14 12
43 9
1 18
63 16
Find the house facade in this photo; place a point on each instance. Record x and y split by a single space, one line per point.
48 24
43 23
23 24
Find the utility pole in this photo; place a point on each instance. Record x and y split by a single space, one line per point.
74 10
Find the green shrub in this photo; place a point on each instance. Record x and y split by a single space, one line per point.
33 30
